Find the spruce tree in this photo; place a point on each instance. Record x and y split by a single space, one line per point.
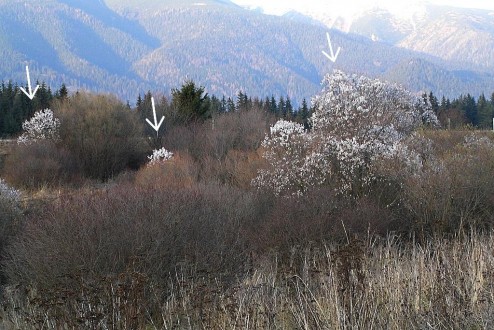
304 114
434 103
62 93
242 101
273 107
223 107
288 108
230 105
139 101
470 109
484 112
281 108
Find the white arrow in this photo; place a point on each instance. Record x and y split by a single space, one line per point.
31 93
155 126
333 56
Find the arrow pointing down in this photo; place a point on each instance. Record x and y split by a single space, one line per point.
31 93
155 126
332 57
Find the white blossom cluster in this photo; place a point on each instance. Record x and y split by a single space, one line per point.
43 125
356 121
159 156
9 195
414 157
287 149
476 141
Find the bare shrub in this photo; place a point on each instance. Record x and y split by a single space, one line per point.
446 183
101 233
294 221
243 167
41 164
102 133
188 139
223 146
241 130
316 217
179 172
10 217
117 301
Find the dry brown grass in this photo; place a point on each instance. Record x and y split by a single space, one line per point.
361 285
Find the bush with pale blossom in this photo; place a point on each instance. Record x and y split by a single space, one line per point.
478 141
43 125
286 150
159 156
10 209
8 194
356 121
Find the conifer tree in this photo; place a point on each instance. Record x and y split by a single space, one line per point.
242 101
139 101
273 107
288 109
470 109
433 103
223 107
230 105
484 112
62 93
303 114
281 108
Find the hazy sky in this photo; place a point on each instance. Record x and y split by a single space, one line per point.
350 6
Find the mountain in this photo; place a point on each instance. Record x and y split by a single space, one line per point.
127 47
461 36
83 44
381 25
465 36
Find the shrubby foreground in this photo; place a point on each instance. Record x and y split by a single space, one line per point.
371 218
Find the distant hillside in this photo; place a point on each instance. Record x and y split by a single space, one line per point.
461 35
63 43
464 37
130 46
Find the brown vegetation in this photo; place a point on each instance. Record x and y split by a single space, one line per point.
103 135
189 243
364 284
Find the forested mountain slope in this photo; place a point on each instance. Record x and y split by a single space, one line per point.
128 47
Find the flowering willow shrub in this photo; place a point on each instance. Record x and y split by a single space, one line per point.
478 142
287 150
356 121
10 202
9 195
10 214
159 156
43 125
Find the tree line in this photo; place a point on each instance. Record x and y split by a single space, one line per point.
187 104
191 103
16 107
464 110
